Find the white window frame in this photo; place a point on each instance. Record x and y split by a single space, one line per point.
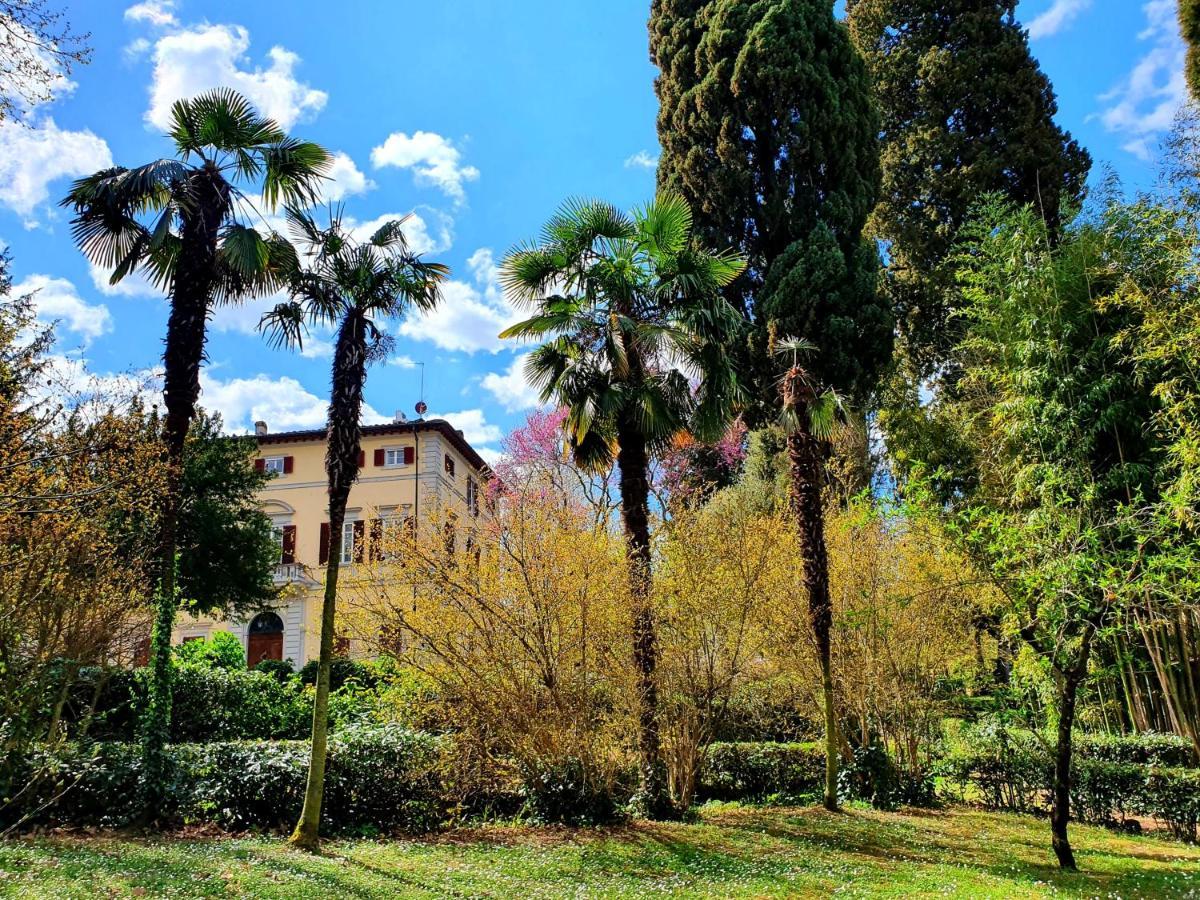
346 545
393 458
277 533
273 465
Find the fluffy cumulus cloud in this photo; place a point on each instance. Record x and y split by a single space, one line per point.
57 301
511 388
137 284
641 160
427 231
343 179
474 425
433 159
1143 104
283 402
1056 17
34 156
188 61
471 315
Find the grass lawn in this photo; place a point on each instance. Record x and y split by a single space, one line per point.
730 852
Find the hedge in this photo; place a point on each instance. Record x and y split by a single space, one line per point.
1112 779
381 778
759 771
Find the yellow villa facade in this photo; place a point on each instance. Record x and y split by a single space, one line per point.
408 472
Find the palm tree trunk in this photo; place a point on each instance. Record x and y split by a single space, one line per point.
341 466
633 461
1060 810
191 293
805 465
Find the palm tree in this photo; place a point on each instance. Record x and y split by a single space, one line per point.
810 415
180 218
350 286
627 303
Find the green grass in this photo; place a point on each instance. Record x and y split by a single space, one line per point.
730 852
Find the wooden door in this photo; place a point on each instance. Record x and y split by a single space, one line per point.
264 646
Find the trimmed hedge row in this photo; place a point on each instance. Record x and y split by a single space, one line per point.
1014 771
382 779
759 771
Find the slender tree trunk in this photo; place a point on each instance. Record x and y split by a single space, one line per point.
341 466
805 461
191 293
1060 810
633 462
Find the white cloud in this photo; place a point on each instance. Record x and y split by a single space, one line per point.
432 158
67 381
1053 20
471 314
1144 103
474 426
157 13
136 285
344 179
35 155
430 232
56 300
403 362
511 388
641 160
201 57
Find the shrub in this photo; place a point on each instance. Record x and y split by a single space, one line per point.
341 670
218 705
382 778
872 775
761 771
280 669
1151 749
221 651
566 792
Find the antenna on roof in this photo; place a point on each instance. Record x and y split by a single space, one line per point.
421 407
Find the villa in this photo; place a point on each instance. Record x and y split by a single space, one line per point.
407 470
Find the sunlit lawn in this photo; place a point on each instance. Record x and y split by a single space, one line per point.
729 852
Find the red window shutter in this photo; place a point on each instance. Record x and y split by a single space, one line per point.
410 455
324 552
375 549
260 465
287 464
362 458
379 457
289 545
360 540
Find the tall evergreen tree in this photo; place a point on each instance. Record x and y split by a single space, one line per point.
1189 25
768 129
965 112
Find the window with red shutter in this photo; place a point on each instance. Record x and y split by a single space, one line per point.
410 455
260 465
360 540
323 555
362 458
288 462
379 457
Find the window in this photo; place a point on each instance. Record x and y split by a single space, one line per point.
274 465
472 496
449 465
348 542
393 456
277 533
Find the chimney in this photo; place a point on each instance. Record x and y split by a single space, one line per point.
399 418
260 427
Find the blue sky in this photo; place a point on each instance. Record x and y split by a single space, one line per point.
479 117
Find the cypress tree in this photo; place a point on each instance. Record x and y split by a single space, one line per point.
1189 25
965 112
768 129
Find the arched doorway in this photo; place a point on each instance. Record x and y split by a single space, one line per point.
265 639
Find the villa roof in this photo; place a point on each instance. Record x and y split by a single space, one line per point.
448 431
